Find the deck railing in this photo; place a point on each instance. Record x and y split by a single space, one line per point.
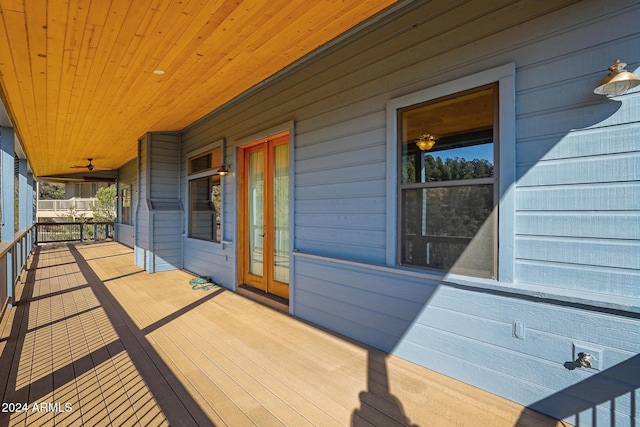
14 255
13 262
64 207
49 232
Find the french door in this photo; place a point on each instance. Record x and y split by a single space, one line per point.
264 215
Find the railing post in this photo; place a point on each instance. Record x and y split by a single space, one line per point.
16 266
95 232
18 245
25 253
11 290
81 232
3 278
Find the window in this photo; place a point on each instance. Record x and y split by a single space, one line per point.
205 161
87 190
204 208
205 196
125 213
448 192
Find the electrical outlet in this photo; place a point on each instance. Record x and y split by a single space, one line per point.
595 353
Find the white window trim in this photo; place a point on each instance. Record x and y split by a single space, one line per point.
218 143
505 76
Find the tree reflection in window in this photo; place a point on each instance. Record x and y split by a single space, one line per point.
204 208
448 192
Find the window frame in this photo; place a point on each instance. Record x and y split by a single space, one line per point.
81 186
504 162
205 173
474 182
129 189
190 159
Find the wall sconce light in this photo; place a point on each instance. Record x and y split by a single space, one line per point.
223 170
618 82
426 142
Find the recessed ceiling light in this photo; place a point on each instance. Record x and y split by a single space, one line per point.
158 71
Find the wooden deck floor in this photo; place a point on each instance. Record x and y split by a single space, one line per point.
96 341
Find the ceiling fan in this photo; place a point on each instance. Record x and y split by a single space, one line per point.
91 167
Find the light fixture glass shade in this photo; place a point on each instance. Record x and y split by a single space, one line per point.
426 142
618 82
223 170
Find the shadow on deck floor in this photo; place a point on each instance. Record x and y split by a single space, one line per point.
95 340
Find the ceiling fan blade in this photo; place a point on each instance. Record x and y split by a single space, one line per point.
91 167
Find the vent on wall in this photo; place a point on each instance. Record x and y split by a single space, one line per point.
165 205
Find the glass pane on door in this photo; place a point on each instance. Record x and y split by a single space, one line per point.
281 213
255 204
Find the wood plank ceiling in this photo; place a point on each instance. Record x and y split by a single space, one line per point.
77 76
